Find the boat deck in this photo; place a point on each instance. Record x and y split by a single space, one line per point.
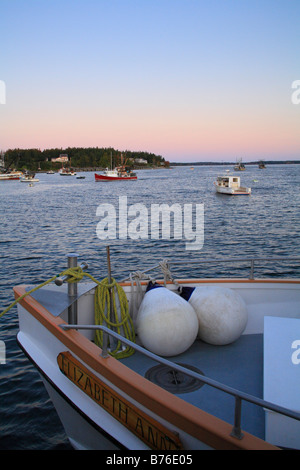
230 365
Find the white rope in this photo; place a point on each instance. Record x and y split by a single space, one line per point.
164 265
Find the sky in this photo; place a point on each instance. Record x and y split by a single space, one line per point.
190 80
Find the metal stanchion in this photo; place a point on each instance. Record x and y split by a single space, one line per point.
72 291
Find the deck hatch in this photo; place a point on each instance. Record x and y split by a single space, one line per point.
174 381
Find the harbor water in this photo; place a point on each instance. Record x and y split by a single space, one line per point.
42 223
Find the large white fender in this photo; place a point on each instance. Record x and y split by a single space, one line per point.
167 325
221 312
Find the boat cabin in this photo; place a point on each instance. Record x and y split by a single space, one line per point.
228 181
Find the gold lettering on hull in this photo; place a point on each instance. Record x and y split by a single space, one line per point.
150 431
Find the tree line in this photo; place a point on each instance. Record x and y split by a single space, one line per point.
79 157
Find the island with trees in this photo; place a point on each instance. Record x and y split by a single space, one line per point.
92 158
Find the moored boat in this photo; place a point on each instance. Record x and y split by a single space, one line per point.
115 174
118 173
29 179
67 172
11 175
231 185
239 166
114 397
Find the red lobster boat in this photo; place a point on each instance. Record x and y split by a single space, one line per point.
119 173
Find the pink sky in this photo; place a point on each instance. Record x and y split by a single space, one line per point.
189 82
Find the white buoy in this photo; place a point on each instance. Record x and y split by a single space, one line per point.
167 325
221 312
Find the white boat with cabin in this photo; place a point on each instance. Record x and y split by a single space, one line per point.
231 185
124 380
29 179
67 172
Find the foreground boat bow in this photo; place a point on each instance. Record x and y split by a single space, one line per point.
108 403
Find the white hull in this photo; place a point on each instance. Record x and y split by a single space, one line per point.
233 192
83 420
82 432
16 175
29 180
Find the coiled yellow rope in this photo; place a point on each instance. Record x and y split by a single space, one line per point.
109 315
106 315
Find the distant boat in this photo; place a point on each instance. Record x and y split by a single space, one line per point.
239 166
231 185
261 165
29 179
67 172
11 175
119 173
50 172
